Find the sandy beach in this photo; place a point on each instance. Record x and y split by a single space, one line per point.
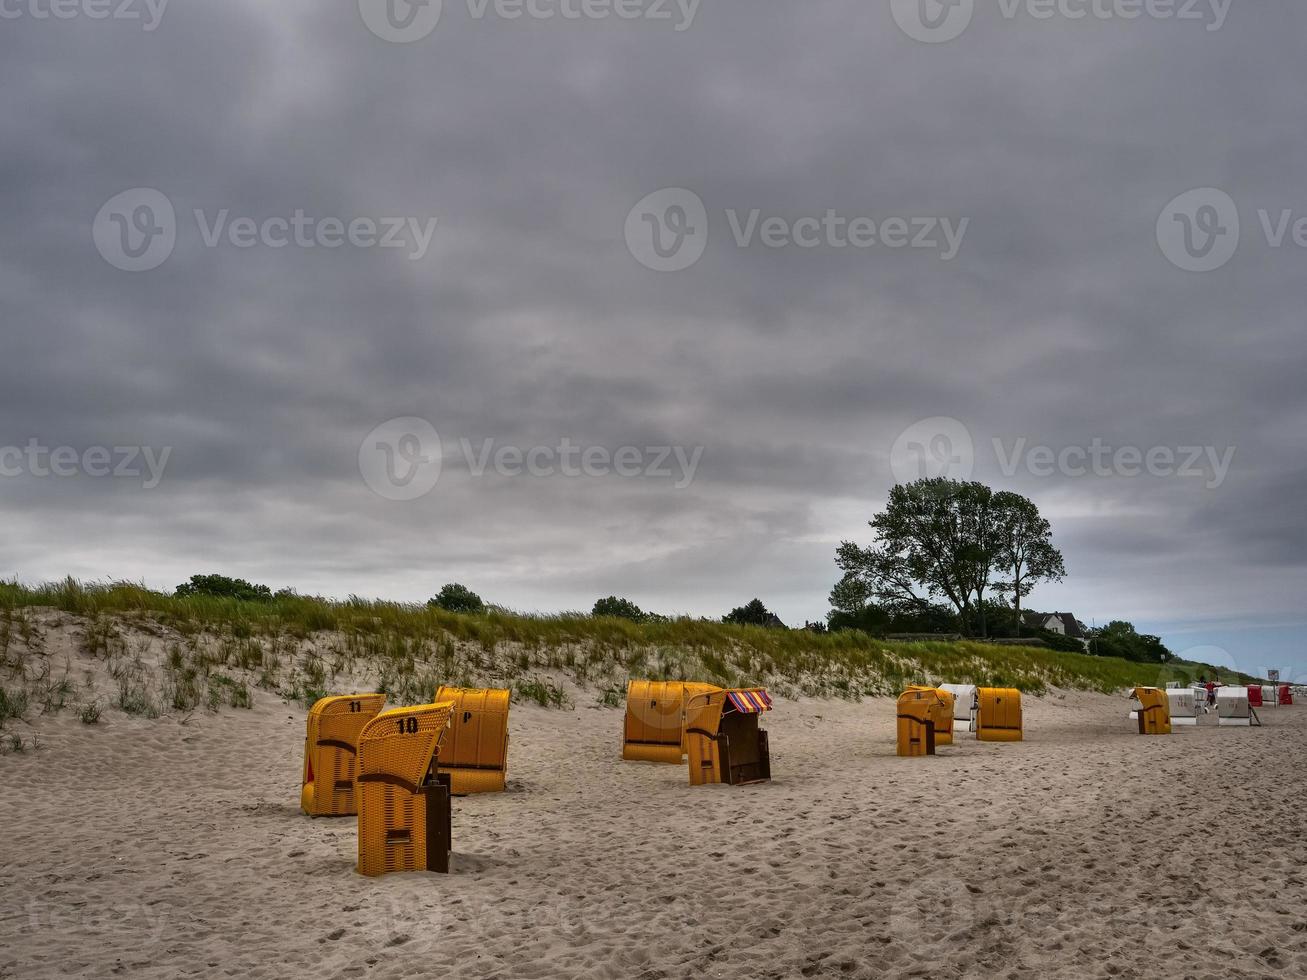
169 849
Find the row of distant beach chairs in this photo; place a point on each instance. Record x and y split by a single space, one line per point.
1158 710
398 769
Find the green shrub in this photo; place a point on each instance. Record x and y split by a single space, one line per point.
457 598
619 609
222 587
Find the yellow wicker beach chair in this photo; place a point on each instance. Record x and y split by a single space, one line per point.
723 740
331 751
943 713
919 710
1154 711
654 728
475 752
404 810
998 718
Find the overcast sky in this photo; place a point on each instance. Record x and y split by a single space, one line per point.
1039 291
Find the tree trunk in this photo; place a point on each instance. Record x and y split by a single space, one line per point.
1016 595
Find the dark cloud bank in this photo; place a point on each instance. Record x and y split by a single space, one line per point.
527 321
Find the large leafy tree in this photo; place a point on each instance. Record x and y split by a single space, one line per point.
1025 549
933 541
943 540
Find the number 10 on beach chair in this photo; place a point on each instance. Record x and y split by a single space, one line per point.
331 751
404 808
724 742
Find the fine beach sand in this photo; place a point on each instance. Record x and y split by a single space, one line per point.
168 849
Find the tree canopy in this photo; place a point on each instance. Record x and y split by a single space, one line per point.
222 587
1025 549
619 609
1119 639
941 540
754 613
454 597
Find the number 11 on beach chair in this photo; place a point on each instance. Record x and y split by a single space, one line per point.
331 753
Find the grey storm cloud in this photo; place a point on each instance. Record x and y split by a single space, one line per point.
528 321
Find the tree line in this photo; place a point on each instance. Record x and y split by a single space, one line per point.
947 557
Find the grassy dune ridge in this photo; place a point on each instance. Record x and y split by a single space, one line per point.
92 647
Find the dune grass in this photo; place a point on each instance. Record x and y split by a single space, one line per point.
215 650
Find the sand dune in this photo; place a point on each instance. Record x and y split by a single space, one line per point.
162 849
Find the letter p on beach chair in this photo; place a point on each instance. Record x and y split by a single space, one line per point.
654 728
998 714
404 811
1154 713
475 752
331 753
723 738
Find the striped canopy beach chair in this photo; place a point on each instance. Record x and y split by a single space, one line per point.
724 742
